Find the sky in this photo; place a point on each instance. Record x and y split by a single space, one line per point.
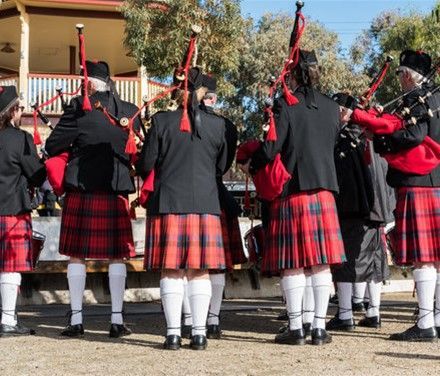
346 17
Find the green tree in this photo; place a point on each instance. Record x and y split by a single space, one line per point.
157 36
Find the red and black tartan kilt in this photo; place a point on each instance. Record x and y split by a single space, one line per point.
15 243
232 243
303 231
96 226
416 237
184 241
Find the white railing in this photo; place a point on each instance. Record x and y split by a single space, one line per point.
9 80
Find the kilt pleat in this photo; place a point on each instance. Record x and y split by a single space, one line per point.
232 243
184 241
303 231
15 243
96 226
416 237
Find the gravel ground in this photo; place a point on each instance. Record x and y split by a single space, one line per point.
247 346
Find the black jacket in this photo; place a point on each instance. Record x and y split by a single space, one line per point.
410 137
306 138
20 167
185 164
98 161
227 200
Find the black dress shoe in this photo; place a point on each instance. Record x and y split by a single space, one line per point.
320 337
213 332
283 316
172 342
358 307
415 334
17 330
118 330
370 322
198 342
186 331
307 329
283 328
291 337
337 324
73 331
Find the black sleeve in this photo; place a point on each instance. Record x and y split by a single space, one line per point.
65 131
222 157
150 151
231 140
31 165
403 139
269 149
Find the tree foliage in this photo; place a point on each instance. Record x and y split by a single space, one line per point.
158 38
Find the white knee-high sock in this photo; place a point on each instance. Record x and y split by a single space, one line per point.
374 290
171 293
437 302
117 274
217 285
359 291
308 302
321 289
345 292
186 308
199 297
425 279
293 286
76 276
9 284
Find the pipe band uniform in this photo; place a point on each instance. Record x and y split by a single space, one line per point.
20 169
97 180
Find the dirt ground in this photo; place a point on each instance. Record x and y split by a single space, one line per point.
247 346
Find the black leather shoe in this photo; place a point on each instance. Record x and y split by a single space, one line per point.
118 330
17 330
283 316
73 331
358 307
186 331
198 342
337 324
172 342
291 337
370 322
415 334
320 337
213 332
307 329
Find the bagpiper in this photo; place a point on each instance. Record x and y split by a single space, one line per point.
95 221
20 168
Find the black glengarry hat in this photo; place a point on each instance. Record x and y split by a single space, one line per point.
418 61
8 96
210 82
98 69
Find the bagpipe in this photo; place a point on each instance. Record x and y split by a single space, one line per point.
421 159
270 180
348 139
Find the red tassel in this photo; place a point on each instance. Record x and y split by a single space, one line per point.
130 147
37 137
86 102
272 133
185 124
288 96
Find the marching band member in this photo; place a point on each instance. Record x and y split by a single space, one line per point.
304 228
183 234
20 167
95 220
365 205
233 246
416 236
